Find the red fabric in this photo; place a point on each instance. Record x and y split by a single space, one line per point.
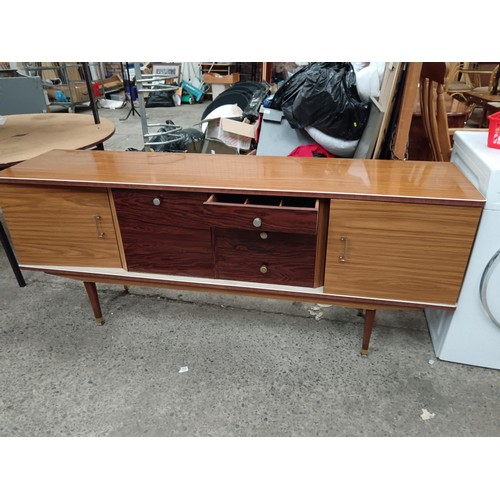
311 151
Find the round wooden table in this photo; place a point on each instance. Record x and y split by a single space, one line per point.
25 136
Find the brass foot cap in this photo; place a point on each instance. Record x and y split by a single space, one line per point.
99 321
364 353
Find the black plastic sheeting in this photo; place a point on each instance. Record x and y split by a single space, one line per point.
323 95
246 95
161 99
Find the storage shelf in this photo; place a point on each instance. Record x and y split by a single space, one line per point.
72 79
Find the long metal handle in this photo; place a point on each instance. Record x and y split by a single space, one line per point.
98 219
483 285
343 257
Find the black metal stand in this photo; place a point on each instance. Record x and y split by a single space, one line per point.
93 105
10 255
127 81
88 81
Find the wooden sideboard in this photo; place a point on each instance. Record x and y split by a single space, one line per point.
369 234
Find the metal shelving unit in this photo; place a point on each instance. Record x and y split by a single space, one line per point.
73 81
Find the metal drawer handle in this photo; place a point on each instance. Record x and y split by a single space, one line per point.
343 257
156 202
257 222
263 269
264 235
97 220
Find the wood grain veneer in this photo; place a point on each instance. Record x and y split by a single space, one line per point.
289 259
117 229
405 228
399 251
29 135
56 226
279 218
323 216
425 182
171 238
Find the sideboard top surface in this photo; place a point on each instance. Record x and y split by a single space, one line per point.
431 182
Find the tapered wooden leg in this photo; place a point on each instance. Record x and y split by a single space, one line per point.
94 301
367 330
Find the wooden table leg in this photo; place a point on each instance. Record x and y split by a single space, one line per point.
94 301
367 330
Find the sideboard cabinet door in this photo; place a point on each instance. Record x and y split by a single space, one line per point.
399 251
164 232
60 226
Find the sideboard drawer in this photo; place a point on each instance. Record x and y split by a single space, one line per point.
164 232
262 213
265 257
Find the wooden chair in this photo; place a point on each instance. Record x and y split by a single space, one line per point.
458 81
463 77
432 93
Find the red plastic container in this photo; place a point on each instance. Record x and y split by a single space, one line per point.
97 89
494 131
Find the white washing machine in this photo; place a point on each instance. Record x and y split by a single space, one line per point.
471 333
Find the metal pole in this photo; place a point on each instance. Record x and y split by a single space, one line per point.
88 80
10 255
140 96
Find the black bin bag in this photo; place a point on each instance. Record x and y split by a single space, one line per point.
286 94
323 95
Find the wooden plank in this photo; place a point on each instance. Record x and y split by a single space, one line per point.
73 72
388 89
407 108
48 74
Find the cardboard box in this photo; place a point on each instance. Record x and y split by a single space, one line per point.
75 92
112 83
79 91
239 128
221 79
233 133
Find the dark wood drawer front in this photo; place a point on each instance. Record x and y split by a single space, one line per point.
262 213
184 209
286 259
164 232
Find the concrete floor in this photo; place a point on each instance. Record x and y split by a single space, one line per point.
254 367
